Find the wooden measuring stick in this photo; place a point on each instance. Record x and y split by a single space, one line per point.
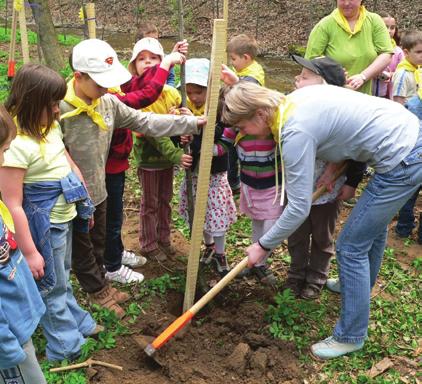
218 53
24 35
90 20
12 63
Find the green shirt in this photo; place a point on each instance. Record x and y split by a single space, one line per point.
356 52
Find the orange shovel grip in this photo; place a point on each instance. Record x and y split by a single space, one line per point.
172 329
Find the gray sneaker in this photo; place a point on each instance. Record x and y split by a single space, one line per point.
334 285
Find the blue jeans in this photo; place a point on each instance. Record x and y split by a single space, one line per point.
360 246
406 221
115 184
65 323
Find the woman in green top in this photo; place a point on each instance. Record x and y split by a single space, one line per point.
355 38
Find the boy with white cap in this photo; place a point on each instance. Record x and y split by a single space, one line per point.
155 158
89 116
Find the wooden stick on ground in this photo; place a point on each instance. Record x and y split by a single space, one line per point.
218 53
87 364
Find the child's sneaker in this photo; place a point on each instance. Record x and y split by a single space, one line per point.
104 299
221 264
311 291
125 275
131 260
334 285
208 254
331 348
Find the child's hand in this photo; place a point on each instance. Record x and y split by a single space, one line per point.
172 59
346 192
227 76
327 177
186 161
202 121
181 47
185 111
174 111
36 264
185 139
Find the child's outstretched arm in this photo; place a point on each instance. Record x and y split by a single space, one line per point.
11 187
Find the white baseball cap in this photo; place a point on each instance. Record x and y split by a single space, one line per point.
99 60
197 71
146 44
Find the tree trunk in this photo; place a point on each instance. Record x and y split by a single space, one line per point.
47 34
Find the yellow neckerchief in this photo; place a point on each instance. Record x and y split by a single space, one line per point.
393 43
253 70
195 110
116 91
343 23
81 106
42 142
282 114
408 66
7 217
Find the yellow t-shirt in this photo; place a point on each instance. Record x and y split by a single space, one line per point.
169 97
46 164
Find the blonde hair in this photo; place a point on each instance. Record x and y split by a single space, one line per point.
243 44
242 100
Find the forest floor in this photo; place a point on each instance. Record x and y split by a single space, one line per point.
251 333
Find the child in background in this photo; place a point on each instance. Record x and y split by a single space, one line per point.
311 245
407 78
141 91
408 91
221 209
151 30
41 186
406 219
259 192
383 86
242 51
21 306
89 118
155 159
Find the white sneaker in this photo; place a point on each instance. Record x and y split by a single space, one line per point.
130 259
334 285
125 275
331 348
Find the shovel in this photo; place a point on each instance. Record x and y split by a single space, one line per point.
178 324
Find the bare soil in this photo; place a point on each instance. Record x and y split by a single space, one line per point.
228 341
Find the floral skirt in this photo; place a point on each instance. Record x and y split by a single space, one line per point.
221 209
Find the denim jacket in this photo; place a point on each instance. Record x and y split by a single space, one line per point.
21 306
38 201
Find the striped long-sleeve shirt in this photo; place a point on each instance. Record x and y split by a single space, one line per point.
257 158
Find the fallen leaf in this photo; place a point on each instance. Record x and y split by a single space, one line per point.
380 367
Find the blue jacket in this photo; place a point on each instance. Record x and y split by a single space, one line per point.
21 306
414 105
38 201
